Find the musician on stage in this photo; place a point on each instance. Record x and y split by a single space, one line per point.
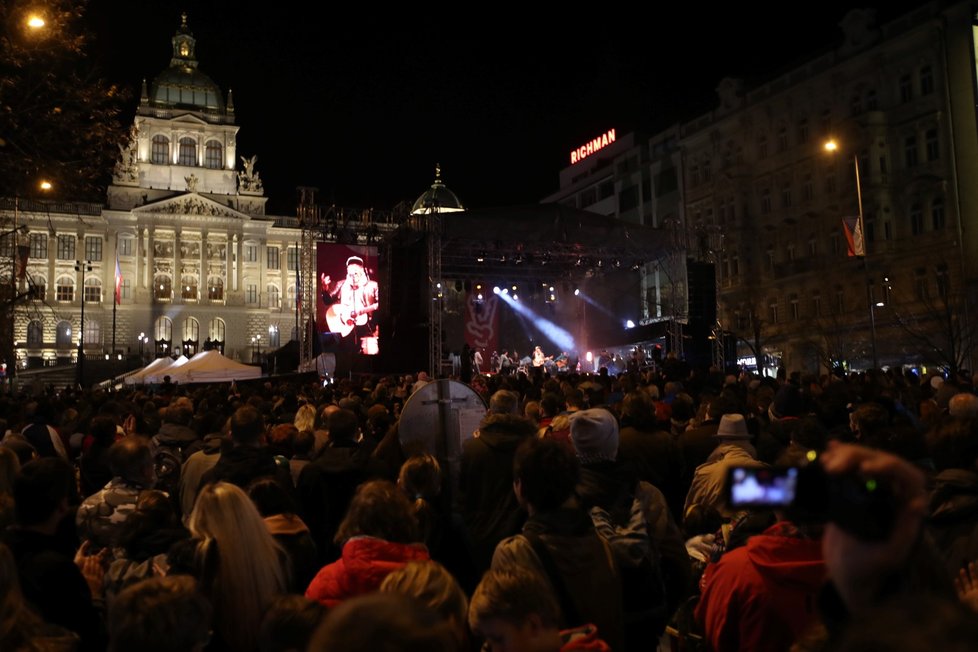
352 302
538 357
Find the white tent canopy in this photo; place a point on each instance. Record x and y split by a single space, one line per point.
157 375
212 367
155 365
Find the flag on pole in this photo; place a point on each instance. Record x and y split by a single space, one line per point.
118 281
853 229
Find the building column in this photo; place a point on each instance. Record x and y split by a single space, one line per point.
202 279
238 262
228 264
177 270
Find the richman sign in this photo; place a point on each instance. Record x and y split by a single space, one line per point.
591 147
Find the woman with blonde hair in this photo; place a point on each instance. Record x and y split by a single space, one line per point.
241 567
432 585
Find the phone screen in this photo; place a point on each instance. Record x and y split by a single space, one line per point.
762 487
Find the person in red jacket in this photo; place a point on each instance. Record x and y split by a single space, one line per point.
761 596
379 535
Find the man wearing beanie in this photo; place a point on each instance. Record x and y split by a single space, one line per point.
612 485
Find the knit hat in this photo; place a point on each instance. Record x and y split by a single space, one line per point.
595 435
732 426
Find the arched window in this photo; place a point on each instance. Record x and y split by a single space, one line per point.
62 334
213 155
273 337
163 336
188 151
65 289
35 334
217 329
188 287
161 150
215 288
162 287
93 332
274 297
191 336
93 290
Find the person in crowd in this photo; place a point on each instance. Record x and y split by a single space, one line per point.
431 584
953 503
238 563
21 629
378 535
559 541
101 516
9 468
93 466
278 509
248 458
160 614
290 623
216 428
515 609
486 502
733 449
653 453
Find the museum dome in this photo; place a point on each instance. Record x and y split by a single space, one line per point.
437 199
182 85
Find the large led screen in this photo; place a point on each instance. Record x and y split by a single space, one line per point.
347 298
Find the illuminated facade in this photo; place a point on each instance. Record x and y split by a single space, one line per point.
198 256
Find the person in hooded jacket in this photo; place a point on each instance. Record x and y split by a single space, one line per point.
953 520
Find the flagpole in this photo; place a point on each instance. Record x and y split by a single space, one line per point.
869 280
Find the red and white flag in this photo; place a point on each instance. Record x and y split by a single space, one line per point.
853 229
118 281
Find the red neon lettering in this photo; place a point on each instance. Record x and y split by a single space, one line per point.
591 147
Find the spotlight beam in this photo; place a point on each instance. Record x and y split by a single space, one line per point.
563 339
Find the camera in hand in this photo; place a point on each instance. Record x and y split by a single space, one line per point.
861 506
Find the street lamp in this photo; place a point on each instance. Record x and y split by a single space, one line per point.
142 341
83 267
859 242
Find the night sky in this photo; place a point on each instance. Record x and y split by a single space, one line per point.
362 103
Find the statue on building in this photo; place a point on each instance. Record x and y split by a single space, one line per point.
248 180
192 182
126 169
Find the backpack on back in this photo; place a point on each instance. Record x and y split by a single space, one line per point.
626 530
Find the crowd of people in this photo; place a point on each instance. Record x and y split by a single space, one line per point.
586 512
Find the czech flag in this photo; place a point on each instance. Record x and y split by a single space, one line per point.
853 229
118 281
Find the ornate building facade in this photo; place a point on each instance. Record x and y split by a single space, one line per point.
197 257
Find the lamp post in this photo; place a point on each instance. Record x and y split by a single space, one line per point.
832 146
83 267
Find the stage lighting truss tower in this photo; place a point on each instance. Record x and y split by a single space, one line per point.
308 213
433 223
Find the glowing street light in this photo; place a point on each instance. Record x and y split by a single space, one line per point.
45 185
35 22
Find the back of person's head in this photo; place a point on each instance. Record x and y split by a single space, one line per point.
289 624
384 622
953 444
637 410
154 512
504 402
41 488
305 417
574 398
963 405
550 404
532 410
160 614
281 439
270 497
9 468
379 509
178 414
420 476
102 429
869 419
343 426
433 586
512 596
247 425
547 472
305 441
131 459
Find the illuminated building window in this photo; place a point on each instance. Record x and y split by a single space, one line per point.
39 245
272 257
213 155
161 150
93 291
188 151
93 248
35 334
215 288
274 297
65 289
66 247
162 287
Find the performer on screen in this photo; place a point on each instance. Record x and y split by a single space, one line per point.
351 303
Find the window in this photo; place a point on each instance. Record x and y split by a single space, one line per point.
215 288
606 189
694 175
125 246
782 139
126 288
93 248
65 289
770 259
807 190
887 230
812 247
816 305
163 329
251 253
910 151
735 266
274 297
191 329
273 337
213 155
62 335
93 332
825 122
803 131
790 251
943 281
35 334
916 219
765 201
920 283
906 88
830 182
793 306
926 80
251 293
772 311
66 247
216 330
188 287
932 144
762 147
937 213
161 150
93 291
707 172
39 288
162 287
293 259
272 256
188 151
39 245
786 195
